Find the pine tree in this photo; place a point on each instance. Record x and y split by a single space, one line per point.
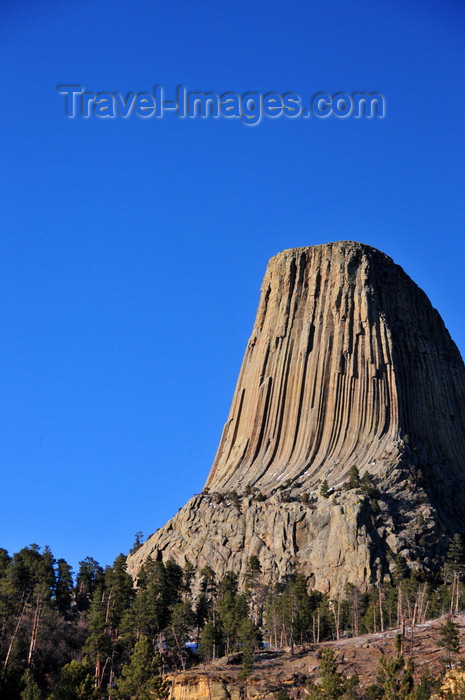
138 541
89 577
140 679
182 622
232 609
210 641
98 647
151 609
449 639
63 586
455 554
174 583
354 477
76 683
282 695
254 590
119 594
248 640
395 677
368 486
455 570
324 489
331 681
332 684
205 608
188 579
30 689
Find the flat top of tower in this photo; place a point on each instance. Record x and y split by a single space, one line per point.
335 249
339 246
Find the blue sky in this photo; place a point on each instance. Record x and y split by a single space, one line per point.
132 251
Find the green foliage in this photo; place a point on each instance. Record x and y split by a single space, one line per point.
183 620
424 689
76 683
63 587
32 571
235 499
119 593
248 640
449 639
282 695
88 635
395 677
205 601
368 486
289 612
98 646
89 578
232 609
188 574
332 683
210 641
138 541
30 689
401 570
354 477
455 558
140 678
324 488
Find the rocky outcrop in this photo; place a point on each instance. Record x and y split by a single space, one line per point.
348 364
347 359
328 541
200 686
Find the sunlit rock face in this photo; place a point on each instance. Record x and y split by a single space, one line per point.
347 360
348 364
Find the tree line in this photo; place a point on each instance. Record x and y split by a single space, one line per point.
95 635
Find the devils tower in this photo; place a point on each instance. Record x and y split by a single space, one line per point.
348 365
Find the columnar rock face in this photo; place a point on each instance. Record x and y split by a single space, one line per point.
347 358
348 364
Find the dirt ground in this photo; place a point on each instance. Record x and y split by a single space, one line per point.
274 669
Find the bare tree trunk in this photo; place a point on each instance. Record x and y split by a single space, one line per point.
102 673
15 632
181 658
35 627
112 674
97 670
399 605
381 616
107 611
336 615
356 612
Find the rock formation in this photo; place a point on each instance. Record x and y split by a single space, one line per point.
348 364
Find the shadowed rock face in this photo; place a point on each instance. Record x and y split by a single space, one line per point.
348 363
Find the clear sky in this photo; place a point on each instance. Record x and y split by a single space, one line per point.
132 251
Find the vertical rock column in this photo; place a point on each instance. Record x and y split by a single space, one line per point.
347 357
